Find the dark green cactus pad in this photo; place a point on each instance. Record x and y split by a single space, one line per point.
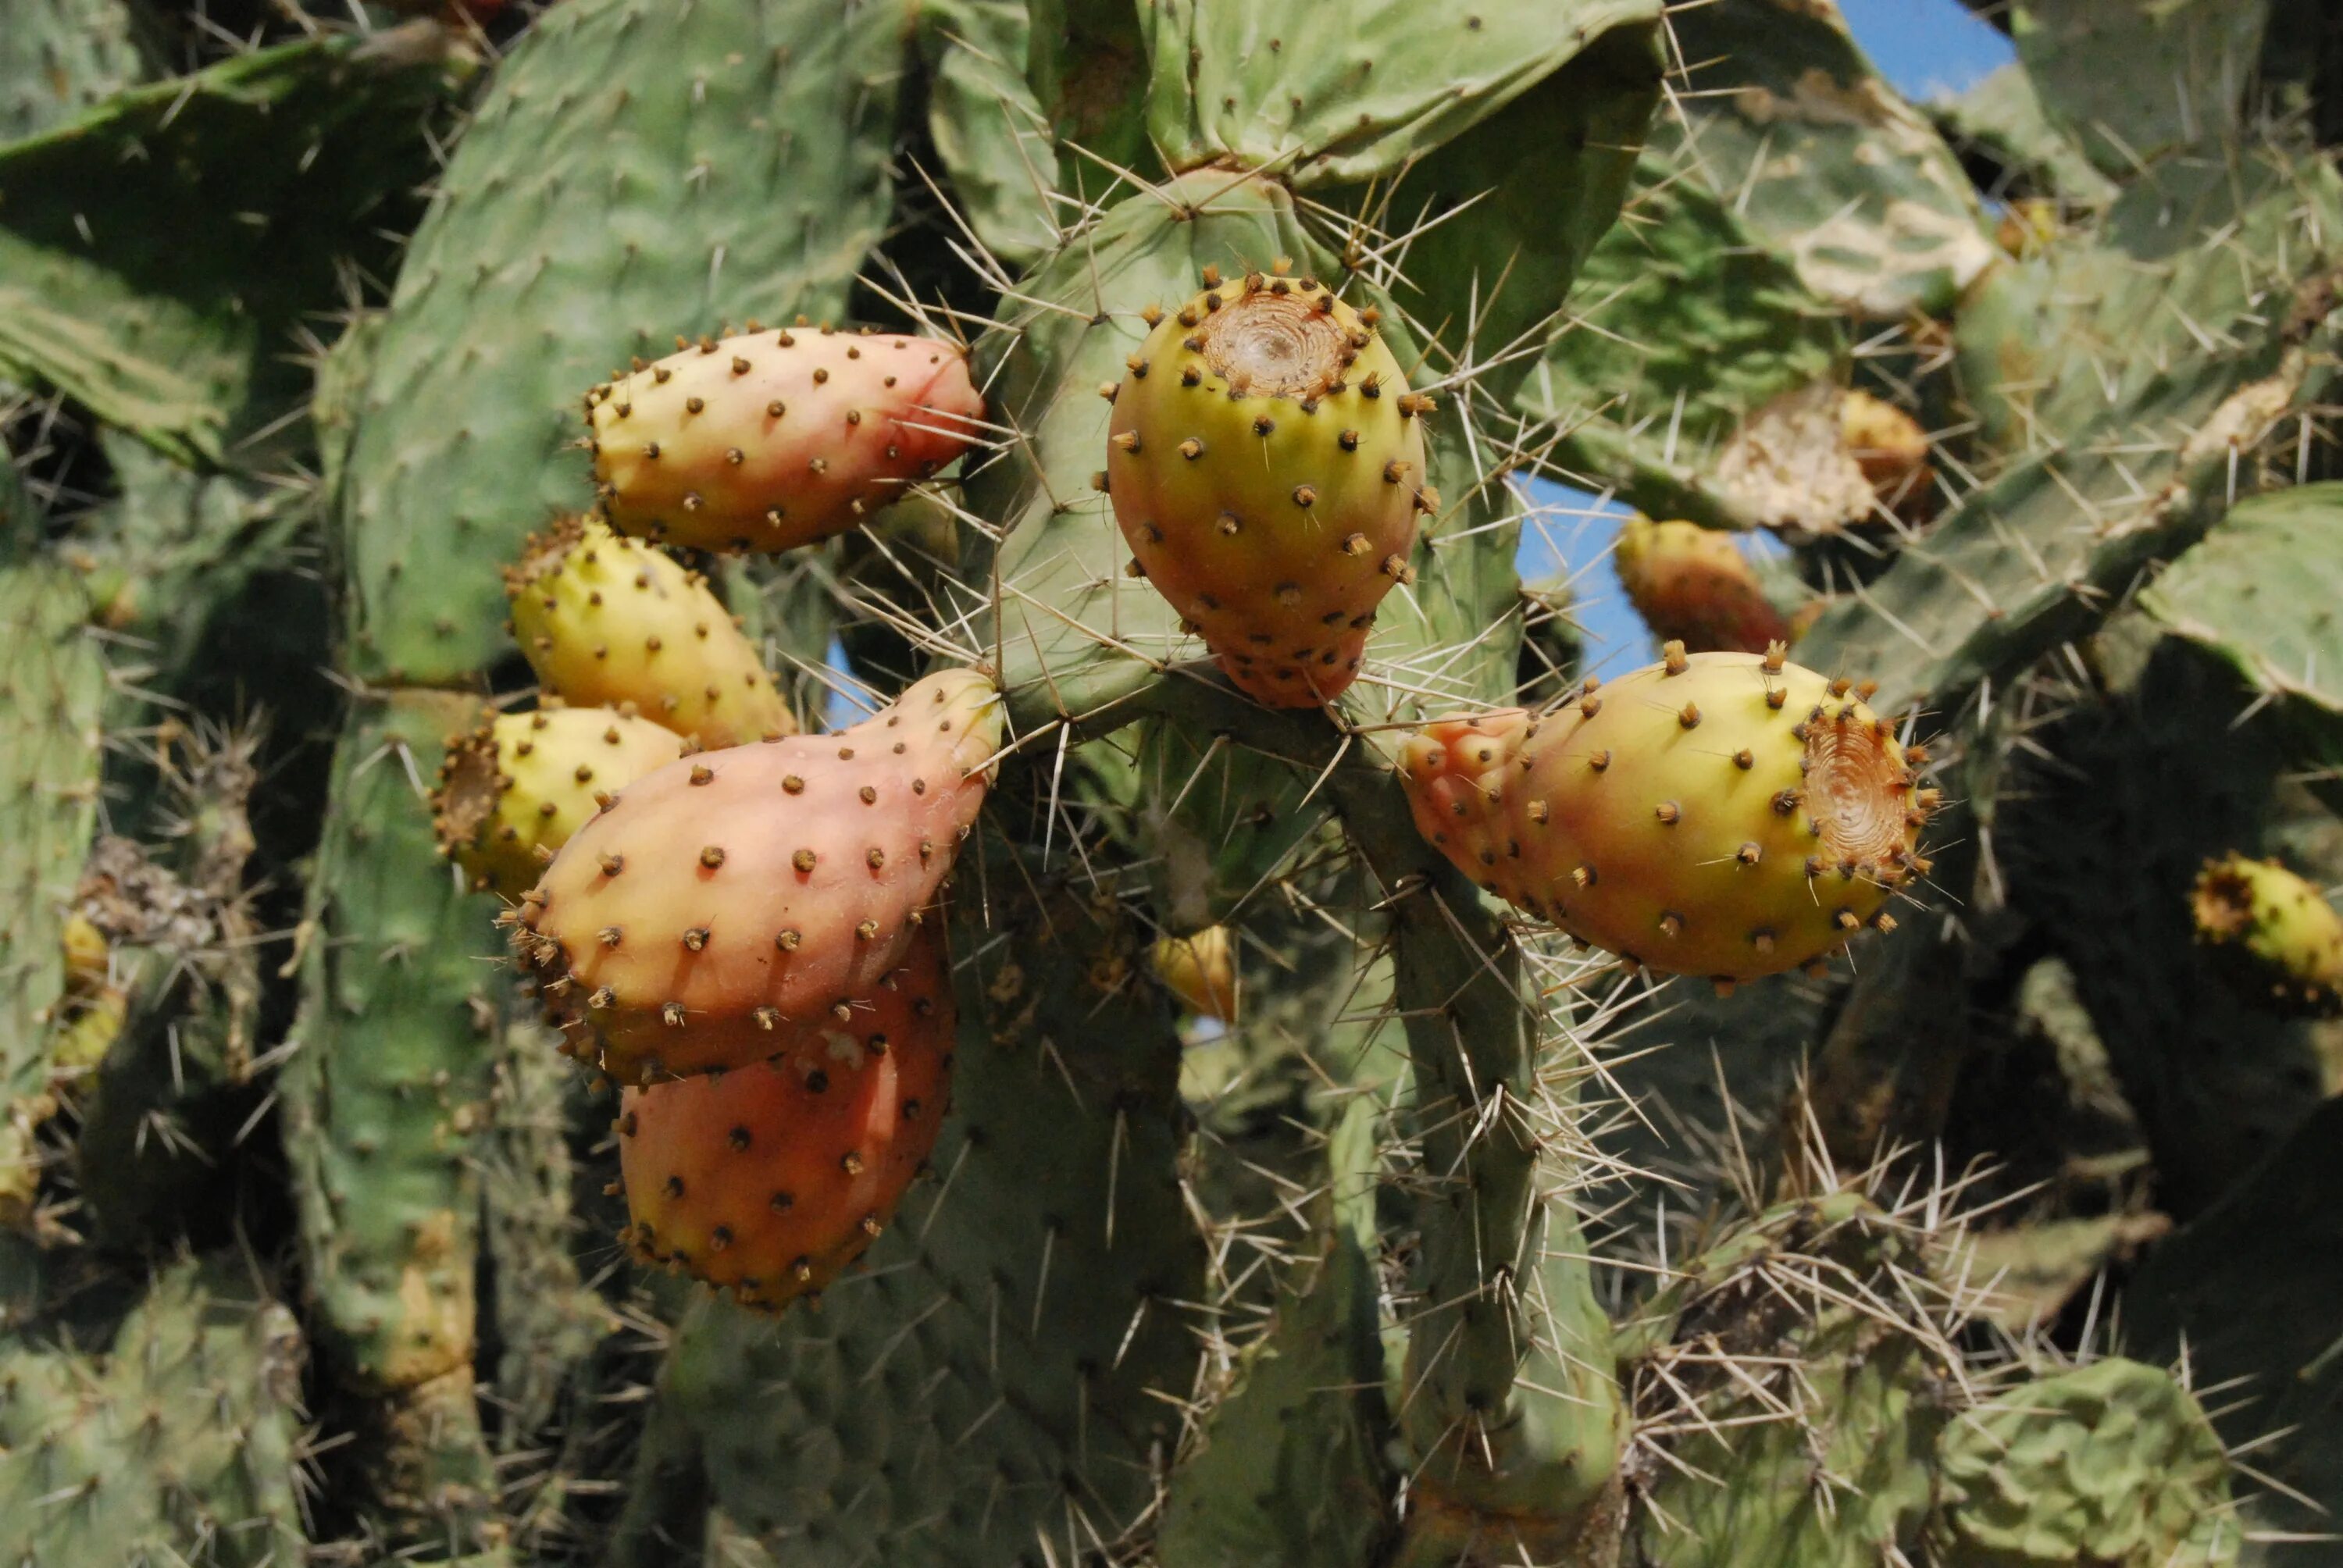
1824 159
178 1445
385 1101
2133 80
1684 322
53 688
1343 96
1287 1467
158 254
1005 1372
2110 1463
2002 117
1813 1452
2147 475
993 136
2101 847
1224 818
2264 591
2246 1291
637 171
58 58
2197 264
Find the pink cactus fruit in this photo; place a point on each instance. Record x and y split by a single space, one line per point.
735 892
768 440
774 1177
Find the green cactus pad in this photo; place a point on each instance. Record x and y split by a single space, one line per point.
384 1101
2002 117
57 58
998 1374
2262 591
2136 79
1824 159
158 254
52 686
177 1446
1684 323
2110 1463
635 172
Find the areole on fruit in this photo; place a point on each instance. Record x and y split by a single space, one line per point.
1726 815
1265 460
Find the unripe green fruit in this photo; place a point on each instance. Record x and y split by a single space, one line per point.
1721 814
605 619
1265 460
513 792
2284 940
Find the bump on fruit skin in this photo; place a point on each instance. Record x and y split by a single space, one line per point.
1693 585
2281 940
607 619
1265 461
773 1178
766 440
1200 969
524 782
735 891
1892 450
1721 814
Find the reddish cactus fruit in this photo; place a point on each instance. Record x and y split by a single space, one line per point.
1266 464
1692 585
769 440
737 891
605 619
513 792
2282 939
773 1178
1722 814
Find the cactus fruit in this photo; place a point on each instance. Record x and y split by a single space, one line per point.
768 440
2284 939
605 620
2110 1463
1721 814
1265 460
732 891
512 791
1892 450
1200 969
772 1178
1693 585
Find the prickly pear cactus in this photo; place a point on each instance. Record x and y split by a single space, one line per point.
774 786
